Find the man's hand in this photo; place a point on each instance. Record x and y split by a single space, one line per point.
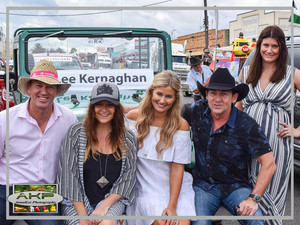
247 207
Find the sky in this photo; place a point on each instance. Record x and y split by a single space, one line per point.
176 23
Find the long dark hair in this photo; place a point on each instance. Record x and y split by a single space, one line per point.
256 65
115 137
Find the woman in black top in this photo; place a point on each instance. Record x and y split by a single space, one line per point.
98 160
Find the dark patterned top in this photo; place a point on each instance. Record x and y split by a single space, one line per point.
70 172
223 157
110 169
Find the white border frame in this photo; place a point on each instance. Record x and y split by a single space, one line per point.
135 8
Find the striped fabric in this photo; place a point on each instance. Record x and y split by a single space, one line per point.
268 108
70 173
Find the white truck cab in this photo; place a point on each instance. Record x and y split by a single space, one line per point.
180 67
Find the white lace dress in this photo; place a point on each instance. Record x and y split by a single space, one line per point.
152 188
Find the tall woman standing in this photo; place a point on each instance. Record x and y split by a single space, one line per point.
269 103
164 146
98 160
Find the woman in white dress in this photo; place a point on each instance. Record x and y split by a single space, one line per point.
163 188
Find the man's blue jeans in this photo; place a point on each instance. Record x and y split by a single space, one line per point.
208 202
3 220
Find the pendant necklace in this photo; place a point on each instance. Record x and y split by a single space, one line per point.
102 181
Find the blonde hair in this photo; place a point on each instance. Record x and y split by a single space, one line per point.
172 122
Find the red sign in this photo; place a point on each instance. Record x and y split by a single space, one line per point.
245 49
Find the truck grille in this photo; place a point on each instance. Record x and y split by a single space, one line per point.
182 74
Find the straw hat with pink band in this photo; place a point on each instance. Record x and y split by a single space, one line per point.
43 71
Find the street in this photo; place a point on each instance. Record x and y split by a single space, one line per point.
296 196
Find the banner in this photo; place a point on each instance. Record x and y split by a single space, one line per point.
81 99
124 78
232 66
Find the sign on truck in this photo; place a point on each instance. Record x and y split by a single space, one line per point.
70 48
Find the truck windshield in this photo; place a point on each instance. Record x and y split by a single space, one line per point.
83 59
179 59
71 53
61 61
243 43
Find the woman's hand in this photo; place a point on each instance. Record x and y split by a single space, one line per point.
99 211
170 212
286 131
103 207
84 222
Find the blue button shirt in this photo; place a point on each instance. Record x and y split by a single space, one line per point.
223 156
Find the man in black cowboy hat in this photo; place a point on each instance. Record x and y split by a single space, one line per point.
226 140
200 73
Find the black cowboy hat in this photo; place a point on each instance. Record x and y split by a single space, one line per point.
195 60
221 79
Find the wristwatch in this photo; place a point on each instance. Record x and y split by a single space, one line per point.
255 197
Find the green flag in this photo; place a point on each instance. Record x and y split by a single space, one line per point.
296 19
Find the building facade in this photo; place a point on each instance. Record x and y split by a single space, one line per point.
196 41
253 22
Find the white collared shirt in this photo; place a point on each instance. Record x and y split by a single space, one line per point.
195 76
33 155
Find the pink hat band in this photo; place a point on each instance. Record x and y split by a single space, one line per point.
44 74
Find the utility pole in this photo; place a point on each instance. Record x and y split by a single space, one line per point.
206 25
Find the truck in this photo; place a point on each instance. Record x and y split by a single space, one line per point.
153 55
3 97
180 67
103 61
241 47
77 43
99 60
61 61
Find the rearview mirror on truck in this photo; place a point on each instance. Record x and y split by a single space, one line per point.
13 81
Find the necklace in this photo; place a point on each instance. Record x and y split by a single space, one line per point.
102 182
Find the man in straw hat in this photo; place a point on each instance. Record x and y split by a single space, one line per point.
225 141
200 73
36 129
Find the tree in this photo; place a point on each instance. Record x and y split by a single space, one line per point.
52 50
38 48
60 50
73 50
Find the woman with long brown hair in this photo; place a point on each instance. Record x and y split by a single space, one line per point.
164 146
269 103
98 160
